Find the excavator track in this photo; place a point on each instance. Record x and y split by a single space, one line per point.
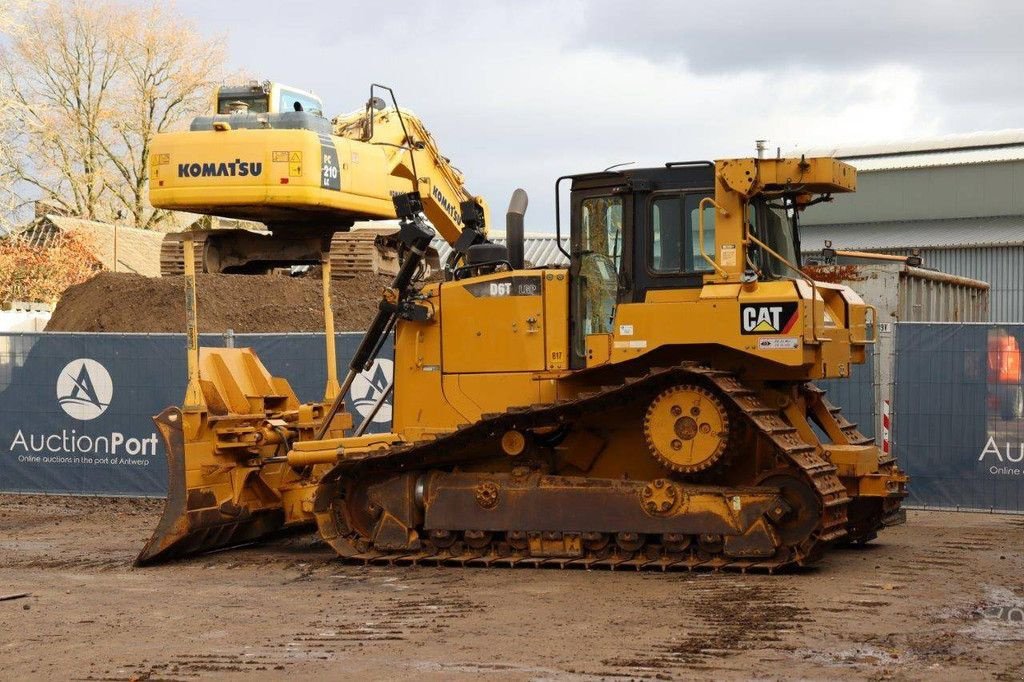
794 458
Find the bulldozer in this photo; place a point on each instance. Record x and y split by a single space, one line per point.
650 406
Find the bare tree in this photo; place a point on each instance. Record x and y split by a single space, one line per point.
10 16
169 74
83 88
10 25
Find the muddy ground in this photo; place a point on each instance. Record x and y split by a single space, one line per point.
934 599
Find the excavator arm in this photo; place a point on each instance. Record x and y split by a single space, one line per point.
413 156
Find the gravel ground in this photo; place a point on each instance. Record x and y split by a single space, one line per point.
935 599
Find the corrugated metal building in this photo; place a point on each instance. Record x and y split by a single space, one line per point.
539 249
958 200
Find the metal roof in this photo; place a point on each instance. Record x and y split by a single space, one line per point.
138 250
949 150
539 249
933 159
950 232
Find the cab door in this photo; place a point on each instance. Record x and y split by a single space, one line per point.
668 228
599 242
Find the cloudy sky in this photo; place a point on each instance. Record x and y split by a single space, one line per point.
518 93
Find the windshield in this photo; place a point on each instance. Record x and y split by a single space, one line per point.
775 228
256 103
296 101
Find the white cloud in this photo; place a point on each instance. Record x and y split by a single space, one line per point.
520 93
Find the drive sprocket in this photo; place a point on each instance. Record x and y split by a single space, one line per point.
687 428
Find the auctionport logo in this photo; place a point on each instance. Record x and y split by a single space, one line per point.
84 392
84 389
367 387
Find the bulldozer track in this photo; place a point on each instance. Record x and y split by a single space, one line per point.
847 427
457 448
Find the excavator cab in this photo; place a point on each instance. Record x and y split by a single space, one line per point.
265 97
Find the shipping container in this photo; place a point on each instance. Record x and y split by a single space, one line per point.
901 290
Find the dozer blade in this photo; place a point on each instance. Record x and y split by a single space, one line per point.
228 479
191 522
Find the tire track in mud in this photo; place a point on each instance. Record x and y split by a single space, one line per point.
714 620
397 618
946 556
420 609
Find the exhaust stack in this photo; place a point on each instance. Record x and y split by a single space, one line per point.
514 228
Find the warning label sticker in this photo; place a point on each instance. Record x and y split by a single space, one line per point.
727 257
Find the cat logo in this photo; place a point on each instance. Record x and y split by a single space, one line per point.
768 318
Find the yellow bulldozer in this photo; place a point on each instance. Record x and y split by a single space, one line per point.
649 406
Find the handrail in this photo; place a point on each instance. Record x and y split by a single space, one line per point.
700 234
558 220
874 323
814 285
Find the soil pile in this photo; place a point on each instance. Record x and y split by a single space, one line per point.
124 302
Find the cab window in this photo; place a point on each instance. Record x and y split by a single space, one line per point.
295 101
675 230
774 227
602 228
667 235
697 261
256 103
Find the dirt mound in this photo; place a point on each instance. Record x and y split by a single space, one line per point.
122 302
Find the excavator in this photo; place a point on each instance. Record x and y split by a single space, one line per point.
650 406
303 202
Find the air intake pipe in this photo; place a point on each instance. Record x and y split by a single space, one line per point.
514 230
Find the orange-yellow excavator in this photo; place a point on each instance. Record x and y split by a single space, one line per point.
649 406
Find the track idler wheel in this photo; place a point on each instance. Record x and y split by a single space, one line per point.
595 542
687 428
675 543
796 524
477 539
442 539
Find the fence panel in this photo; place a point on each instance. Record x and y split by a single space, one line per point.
957 424
75 409
856 395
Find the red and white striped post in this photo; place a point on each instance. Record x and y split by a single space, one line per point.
886 426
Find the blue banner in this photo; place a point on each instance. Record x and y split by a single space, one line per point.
75 409
957 425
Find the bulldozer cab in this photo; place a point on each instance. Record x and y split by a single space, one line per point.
639 230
